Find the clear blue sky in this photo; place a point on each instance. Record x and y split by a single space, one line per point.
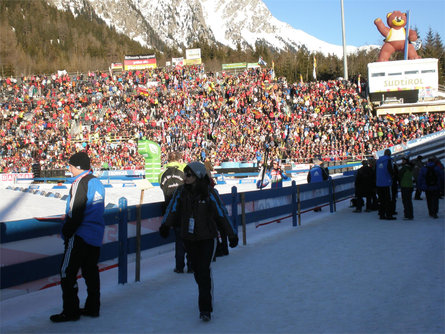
322 18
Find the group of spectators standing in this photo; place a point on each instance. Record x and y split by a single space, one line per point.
379 182
222 116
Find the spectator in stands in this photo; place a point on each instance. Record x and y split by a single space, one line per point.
82 231
197 208
384 180
192 112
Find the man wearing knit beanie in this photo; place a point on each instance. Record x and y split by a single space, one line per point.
82 231
80 161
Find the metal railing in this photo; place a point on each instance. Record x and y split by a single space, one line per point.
121 240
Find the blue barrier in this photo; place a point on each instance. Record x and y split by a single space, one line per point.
291 201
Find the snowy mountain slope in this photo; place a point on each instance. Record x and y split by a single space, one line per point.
180 23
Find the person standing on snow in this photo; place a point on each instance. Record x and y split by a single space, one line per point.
82 231
169 180
407 188
197 209
317 173
430 181
384 180
277 175
364 184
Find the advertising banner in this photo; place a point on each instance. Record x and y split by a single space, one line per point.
178 61
116 66
234 66
139 62
151 152
192 61
193 57
193 53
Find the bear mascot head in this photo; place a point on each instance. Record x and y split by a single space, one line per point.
395 36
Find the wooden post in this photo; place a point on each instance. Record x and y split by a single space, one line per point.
299 205
137 273
294 203
141 184
243 217
123 219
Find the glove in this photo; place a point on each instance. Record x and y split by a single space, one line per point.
233 241
164 231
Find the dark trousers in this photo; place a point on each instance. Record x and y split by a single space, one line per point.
418 193
361 202
407 200
432 200
180 252
80 255
385 203
201 254
374 202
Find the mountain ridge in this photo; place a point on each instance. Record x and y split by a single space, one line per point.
179 23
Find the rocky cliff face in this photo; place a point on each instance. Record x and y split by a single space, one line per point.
180 23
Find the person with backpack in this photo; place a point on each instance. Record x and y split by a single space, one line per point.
169 180
431 181
197 208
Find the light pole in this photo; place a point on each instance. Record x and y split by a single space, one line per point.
345 60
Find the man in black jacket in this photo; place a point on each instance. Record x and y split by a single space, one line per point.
364 183
197 208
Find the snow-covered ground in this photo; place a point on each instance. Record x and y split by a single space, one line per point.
337 273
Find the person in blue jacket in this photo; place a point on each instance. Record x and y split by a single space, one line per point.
82 231
317 173
431 180
277 175
384 181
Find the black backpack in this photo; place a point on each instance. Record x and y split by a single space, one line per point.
430 177
171 179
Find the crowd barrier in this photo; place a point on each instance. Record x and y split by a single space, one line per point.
32 249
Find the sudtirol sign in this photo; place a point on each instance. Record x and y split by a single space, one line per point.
151 152
412 83
401 75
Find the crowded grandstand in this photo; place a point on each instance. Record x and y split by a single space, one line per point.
219 116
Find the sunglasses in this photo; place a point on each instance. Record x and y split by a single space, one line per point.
189 175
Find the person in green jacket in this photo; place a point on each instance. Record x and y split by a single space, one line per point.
406 174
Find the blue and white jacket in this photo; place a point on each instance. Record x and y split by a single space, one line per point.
85 208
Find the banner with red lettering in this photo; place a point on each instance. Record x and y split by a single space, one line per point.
139 62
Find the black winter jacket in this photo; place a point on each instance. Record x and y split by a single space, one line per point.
209 214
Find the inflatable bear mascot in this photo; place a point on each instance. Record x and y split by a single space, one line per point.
395 36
